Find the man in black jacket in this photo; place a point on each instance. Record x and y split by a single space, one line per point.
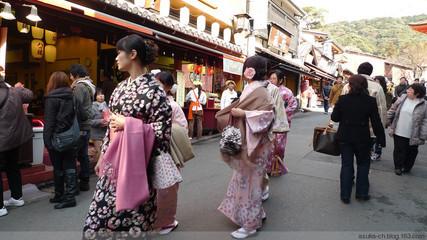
83 91
401 89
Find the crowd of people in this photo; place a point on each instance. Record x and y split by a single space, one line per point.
138 173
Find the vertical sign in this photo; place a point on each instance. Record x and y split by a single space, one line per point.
180 92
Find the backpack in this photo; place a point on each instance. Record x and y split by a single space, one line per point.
68 139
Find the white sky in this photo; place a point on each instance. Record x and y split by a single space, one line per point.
349 10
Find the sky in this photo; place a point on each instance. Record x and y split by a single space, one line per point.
349 10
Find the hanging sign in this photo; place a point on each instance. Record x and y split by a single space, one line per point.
279 40
37 49
232 66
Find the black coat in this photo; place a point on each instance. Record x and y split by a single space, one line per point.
354 112
58 113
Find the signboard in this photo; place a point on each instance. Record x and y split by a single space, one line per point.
279 40
233 67
180 91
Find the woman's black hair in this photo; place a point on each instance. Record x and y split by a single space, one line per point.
146 50
259 64
280 75
358 85
78 71
419 90
383 82
165 78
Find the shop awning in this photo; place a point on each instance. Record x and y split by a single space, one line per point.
319 72
285 63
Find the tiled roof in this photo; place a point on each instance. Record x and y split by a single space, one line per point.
172 24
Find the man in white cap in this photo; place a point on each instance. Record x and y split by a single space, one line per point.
229 94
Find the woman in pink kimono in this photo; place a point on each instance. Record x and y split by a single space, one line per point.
253 115
276 166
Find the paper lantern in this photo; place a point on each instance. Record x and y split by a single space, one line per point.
227 34
50 53
184 16
37 49
50 37
201 23
215 29
38 33
23 27
165 8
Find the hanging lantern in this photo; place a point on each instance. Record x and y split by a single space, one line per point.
201 23
38 33
184 16
50 37
37 49
50 53
203 70
165 8
215 29
23 27
227 34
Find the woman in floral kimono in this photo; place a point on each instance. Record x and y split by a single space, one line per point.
139 97
253 115
276 166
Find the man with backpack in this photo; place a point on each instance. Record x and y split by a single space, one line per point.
83 91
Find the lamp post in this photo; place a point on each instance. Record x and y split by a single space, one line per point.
243 26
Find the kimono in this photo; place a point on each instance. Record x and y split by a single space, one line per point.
277 166
143 99
242 203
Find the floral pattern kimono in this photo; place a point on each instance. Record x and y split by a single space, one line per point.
276 165
141 98
242 203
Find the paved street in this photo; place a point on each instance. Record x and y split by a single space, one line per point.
304 204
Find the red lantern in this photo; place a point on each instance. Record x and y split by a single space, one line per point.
211 71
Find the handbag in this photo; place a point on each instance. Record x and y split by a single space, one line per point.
68 139
231 139
325 141
181 149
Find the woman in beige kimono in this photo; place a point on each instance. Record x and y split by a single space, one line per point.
253 115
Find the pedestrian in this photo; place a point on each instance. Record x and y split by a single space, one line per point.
401 88
252 114
375 90
388 94
84 92
107 86
59 116
229 94
416 81
15 131
336 91
326 91
138 136
167 199
197 98
354 111
99 123
407 119
276 166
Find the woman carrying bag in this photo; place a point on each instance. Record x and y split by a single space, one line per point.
59 117
407 119
354 112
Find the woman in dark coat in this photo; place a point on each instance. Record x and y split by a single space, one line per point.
15 131
59 116
355 112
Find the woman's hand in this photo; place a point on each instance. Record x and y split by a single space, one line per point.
237 112
117 122
98 165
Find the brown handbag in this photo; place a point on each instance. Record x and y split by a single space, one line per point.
325 141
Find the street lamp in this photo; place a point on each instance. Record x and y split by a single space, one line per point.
6 13
242 22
